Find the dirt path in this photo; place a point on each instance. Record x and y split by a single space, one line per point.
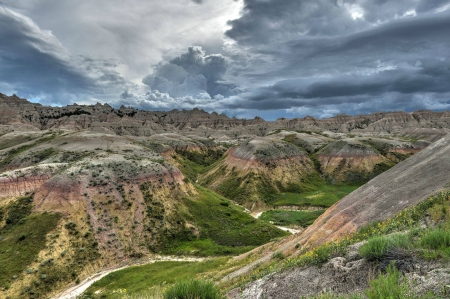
287 229
291 230
77 290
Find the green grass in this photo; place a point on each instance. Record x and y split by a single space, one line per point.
324 195
286 218
378 247
435 239
391 285
191 164
224 227
17 210
22 242
142 279
193 289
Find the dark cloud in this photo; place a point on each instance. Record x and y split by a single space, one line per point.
318 57
366 56
427 5
35 64
190 74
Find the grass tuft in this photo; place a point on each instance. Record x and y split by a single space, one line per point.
193 289
435 239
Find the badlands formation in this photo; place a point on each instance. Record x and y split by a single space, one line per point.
113 185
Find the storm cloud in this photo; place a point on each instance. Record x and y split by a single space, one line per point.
344 56
275 58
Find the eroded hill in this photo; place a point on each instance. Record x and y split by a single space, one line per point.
84 187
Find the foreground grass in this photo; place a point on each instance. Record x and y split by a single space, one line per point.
391 285
427 243
287 218
21 239
193 289
225 229
144 280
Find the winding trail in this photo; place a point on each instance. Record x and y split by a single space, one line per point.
287 229
75 291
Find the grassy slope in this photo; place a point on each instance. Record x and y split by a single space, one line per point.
224 227
22 238
17 151
142 279
324 195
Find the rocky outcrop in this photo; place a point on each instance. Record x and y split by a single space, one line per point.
22 115
341 276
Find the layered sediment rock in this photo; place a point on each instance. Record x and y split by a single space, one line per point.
255 170
22 114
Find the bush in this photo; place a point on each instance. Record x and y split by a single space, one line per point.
377 248
435 239
193 289
392 285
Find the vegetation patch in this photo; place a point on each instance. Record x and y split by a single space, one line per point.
287 218
143 279
43 155
224 228
193 289
324 195
21 242
17 211
192 164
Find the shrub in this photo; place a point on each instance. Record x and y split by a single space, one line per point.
392 285
193 289
377 248
435 239
278 255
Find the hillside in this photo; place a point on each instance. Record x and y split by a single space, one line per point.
83 187
382 198
107 199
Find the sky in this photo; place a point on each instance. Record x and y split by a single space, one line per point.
245 58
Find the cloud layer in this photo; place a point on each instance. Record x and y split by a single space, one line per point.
277 58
